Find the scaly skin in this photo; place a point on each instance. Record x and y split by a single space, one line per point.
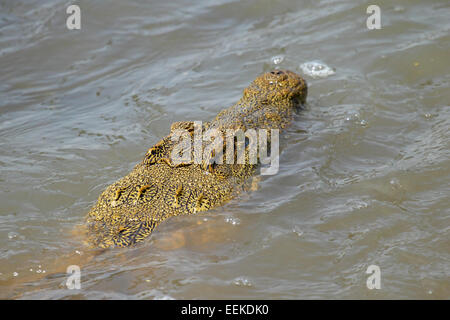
156 189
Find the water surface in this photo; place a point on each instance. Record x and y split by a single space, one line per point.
364 170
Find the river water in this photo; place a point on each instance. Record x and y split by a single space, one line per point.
364 173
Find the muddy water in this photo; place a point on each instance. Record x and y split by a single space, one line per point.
364 170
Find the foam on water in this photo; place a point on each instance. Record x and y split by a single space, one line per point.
316 69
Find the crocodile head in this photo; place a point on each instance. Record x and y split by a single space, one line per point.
281 87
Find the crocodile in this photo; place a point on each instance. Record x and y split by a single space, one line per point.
158 188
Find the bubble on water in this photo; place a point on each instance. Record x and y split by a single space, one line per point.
297 231
355 117
78 252
12 235
234 221
242 282
277 59
430 291
15 274
357 204
316 69
394 182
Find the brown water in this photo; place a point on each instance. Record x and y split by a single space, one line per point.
364 171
